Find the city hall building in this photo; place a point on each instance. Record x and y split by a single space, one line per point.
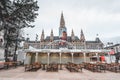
63 48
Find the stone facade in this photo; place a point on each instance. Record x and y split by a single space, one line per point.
63 40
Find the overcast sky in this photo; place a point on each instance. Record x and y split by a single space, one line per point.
93 16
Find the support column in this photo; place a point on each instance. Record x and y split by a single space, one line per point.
97 56
72 57
60 62
84 54
60 57
110 60
48 58
36 57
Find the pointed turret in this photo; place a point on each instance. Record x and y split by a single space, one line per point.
42 36
62 21
82 37
51 35
72 35
97 39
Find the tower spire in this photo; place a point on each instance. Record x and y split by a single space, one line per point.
62 28
42 35
51 35
62 21
72 35
82 37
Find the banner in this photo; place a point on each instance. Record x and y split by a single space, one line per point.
112 52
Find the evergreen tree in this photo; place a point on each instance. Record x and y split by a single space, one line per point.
15 15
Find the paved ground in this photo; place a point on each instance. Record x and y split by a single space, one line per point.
19 74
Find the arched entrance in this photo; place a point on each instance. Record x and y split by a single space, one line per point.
30 58
33 58
88 57
43 58
78 58
54 58
66 57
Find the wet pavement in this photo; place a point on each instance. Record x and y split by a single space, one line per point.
19 74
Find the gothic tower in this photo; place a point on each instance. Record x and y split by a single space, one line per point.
62 28
82 37
72 35
51 36
42 36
